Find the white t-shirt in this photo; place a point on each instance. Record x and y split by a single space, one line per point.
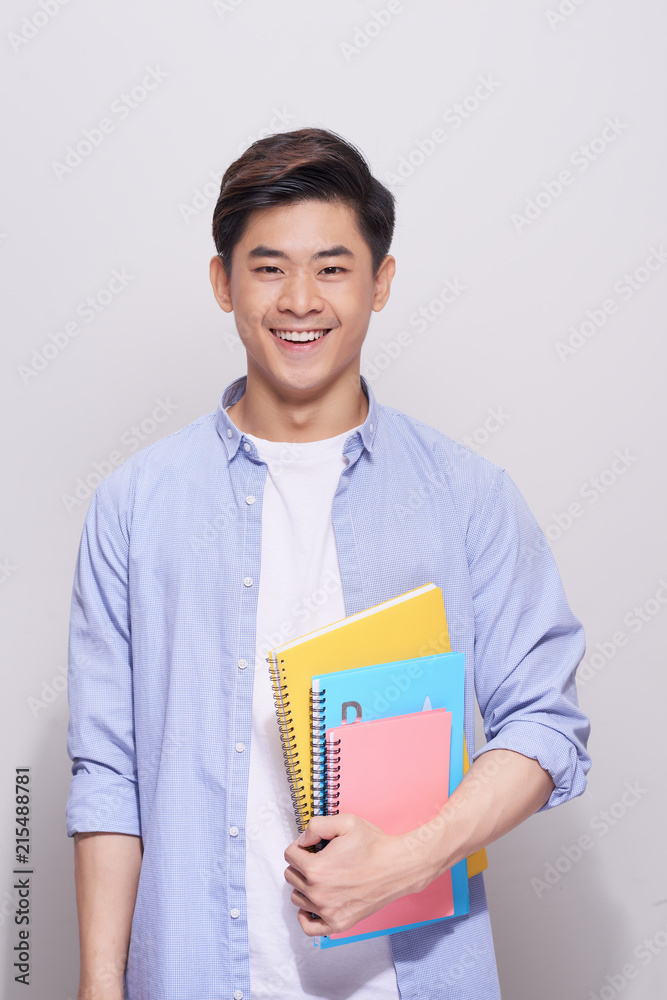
299 591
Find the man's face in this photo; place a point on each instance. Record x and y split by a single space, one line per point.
302 268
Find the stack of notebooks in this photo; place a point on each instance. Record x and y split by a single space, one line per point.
371 723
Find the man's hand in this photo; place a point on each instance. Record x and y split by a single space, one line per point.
359 871
362 868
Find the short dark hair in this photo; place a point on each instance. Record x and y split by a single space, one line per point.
303 165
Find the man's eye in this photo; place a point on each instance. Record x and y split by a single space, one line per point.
268 268
331 269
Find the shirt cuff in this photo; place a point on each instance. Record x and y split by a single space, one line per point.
552 750
102 802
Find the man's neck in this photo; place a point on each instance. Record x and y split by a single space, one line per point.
273 417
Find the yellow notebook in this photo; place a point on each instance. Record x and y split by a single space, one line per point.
411 624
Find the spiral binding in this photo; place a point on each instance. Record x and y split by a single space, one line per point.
318 771
333 776
288 742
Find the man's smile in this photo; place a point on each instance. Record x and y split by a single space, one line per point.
299 336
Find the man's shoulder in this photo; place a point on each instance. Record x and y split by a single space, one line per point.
465 468
165 460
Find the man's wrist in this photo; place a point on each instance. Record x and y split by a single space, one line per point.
501 789
105 982
101 991
431 850
453 833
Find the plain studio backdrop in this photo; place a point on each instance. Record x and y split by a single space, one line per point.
525 144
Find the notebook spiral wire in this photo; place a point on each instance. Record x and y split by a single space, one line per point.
318 771
333 772
288 742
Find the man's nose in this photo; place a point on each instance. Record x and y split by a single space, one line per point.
300 295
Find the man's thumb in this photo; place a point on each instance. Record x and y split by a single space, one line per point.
320 828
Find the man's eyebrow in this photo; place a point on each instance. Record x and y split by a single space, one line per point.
337 251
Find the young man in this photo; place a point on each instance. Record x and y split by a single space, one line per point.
289 507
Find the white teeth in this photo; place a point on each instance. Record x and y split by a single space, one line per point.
294 335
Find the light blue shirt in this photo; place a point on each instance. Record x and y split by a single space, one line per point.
162 659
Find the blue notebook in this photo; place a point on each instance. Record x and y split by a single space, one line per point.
380 691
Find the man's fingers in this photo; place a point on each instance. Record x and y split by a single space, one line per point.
324 828
310 926
300 899
297 857
295 878
318 829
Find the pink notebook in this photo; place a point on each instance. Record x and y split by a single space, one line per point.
395 773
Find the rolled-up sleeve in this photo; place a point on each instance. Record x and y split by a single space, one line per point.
100 737
528 644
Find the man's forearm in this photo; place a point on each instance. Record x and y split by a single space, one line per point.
362 869
106 872
500 791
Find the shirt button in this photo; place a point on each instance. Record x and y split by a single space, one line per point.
242 664
229 432
248 581
235 913
246 446
238 994
250 499
240 747
233 831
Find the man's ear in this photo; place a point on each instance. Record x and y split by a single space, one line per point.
383 279
220 283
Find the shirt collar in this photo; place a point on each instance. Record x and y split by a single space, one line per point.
233 437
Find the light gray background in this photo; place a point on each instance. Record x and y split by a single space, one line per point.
140 202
